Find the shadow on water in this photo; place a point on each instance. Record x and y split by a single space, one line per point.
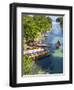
51 64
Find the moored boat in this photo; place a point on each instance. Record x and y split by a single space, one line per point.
58 44
40 55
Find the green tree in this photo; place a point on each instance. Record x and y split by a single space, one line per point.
60 19
33 25
42 22
30 28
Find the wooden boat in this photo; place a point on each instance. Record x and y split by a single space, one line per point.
58 44
40 55
37 53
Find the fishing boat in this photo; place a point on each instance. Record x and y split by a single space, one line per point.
58 44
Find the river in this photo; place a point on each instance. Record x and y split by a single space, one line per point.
53 64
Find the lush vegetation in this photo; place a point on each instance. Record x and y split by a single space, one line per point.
33 28
30 67
27 64
60 19
35 25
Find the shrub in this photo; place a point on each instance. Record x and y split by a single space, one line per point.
27 65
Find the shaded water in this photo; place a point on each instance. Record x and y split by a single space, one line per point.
54 62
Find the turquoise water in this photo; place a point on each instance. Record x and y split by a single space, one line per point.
53 63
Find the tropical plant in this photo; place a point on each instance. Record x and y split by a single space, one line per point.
60 19
27 65
33 25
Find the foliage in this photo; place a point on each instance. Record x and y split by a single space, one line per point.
33 25
42 22
27 65
60 19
